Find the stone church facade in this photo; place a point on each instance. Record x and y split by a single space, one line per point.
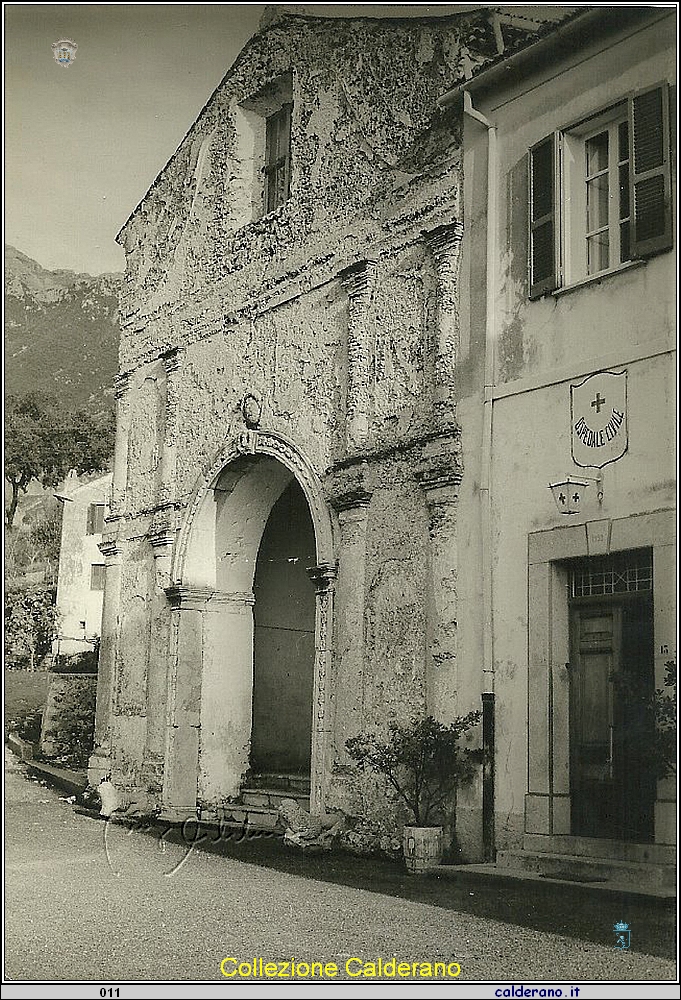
281 550
338 415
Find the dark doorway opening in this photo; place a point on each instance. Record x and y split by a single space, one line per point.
283 645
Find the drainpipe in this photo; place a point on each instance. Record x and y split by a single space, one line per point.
485 484
486 458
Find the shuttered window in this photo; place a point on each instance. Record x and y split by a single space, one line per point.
97 576
623 210
651 215
544 229
95 519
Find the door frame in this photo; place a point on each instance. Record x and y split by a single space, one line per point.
547 798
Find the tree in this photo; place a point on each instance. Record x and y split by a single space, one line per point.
30 623
44 441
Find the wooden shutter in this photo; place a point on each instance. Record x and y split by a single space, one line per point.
649 156
544 217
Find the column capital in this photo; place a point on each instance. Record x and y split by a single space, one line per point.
444 241
347 486
121 384
110 549
441 463
323 576
188 598
173 358
357 278
161 536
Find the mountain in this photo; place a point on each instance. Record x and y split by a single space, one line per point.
61 332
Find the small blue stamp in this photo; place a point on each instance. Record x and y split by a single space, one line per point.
622 933
64 51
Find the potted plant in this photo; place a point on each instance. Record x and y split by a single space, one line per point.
425 764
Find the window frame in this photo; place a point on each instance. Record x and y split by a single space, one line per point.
567 214
274 164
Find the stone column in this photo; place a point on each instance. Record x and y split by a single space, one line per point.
100 761
444 243
172 361
183 719
439 474
350 495
120 469
324 579
161 537
357 281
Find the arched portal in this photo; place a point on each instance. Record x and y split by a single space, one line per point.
283 642
253 627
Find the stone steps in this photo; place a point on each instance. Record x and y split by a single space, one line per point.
271 798
579 868
259 801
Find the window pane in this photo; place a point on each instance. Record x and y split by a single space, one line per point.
97 571
623 141
598 252
597 203
624 191
596 154
625 246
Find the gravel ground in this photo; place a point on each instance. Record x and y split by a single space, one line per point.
86 901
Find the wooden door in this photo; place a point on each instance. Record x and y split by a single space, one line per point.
611 725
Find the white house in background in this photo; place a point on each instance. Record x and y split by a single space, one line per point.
81 566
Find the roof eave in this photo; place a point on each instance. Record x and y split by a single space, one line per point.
558 42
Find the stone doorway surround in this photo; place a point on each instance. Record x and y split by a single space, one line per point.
211 596
547 802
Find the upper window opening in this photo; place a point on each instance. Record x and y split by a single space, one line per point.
278 158
95 519
264 123
600 193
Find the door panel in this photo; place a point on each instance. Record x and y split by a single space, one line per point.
612 789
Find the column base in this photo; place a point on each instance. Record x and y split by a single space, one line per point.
99 767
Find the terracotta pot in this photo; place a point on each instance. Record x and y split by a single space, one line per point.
423 847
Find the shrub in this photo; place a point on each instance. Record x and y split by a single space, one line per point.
73 738
423 761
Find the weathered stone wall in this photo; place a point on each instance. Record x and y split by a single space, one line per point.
337 314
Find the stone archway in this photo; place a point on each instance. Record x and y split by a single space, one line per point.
211 688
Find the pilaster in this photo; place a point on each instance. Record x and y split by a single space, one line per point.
357 280
444 243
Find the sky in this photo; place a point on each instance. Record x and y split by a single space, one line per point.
83 143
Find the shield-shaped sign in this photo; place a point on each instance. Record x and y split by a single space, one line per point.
598 415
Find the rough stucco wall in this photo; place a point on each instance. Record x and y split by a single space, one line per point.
137 584
395 622
258 305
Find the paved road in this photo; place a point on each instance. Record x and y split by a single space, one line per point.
90 902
